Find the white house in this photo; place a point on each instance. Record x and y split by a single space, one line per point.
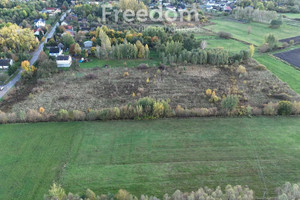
55 51
5 63
63 61
39 22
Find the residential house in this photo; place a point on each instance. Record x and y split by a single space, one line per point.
71 17
51 11
68 28
63 61
38 32
55 51
5 63
39 23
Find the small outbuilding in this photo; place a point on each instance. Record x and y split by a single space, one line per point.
5 63
63 61
55 51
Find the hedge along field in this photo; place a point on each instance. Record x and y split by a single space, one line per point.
150 157
283 71
259 30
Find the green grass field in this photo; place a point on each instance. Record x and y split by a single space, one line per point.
153 60
240 30
152 157
229 44
292 15
285 72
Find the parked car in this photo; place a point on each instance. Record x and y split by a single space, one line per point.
1 88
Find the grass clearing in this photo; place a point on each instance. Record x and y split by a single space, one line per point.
228 44
283 71
292 15
259 30
152 157
153 60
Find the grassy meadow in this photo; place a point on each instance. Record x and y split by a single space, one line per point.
259 30
151 157
283 71
292 15
217 42
95 62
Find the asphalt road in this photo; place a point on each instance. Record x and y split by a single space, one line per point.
34 58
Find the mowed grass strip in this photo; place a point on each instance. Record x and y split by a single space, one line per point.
283 71
32 156
258 30
153 60
148 157
217 42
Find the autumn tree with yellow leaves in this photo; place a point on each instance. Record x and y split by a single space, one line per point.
134 5
28 70
13 37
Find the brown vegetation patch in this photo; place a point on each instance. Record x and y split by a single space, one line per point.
95 89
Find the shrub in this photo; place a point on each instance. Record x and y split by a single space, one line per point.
105 114
22 116
200 112
285 108
264 48
241 70
251 50
125 74
261 67
77 115
90 195
63 115
56 192
224 35
214 98
143 66
122 195
42 110
256 111
230 192
3 78
296 108
276 23
230 103
92 115
11 117
90 76
270 109
285 44
33 116
288 192
3 117
208 92
272 41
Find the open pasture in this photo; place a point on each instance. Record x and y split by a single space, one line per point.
149 157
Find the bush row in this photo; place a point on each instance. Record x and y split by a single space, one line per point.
230 192
149 108
216 56
286 192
